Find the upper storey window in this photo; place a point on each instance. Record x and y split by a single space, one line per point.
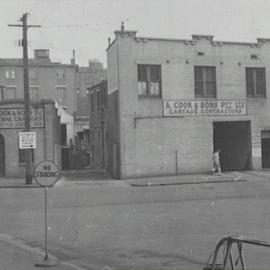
9 92
60 74
255 80
205 81
10 73
149 80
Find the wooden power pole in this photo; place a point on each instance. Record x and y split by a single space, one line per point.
29 162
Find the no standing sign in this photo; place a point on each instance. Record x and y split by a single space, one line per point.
46 173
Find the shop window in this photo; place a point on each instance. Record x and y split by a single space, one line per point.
9 92
33 92
22 155
149 80
255 82
10 73
205 81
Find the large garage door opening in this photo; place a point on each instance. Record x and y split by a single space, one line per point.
265 149
233 140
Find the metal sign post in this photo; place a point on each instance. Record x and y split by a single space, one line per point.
46 174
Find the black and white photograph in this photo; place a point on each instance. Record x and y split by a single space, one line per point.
135 134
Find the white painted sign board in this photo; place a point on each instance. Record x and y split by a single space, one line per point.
178 108
27 140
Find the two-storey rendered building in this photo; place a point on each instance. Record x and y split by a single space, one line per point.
173 102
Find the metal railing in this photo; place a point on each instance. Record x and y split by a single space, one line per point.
228 253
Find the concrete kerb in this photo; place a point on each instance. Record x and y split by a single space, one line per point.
169 180
187 179
157 180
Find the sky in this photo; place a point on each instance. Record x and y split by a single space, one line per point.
86 25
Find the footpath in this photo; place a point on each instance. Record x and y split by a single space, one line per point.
87 178
17 255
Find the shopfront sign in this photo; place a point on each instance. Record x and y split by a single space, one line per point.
14 117
177 108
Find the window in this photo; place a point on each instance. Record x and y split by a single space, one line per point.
255 80
2 92
60 74
10 74
9 92
205 81
92 101
149 80
33 92
61 93
98 100
22 155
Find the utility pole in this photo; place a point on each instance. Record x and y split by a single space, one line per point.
29 163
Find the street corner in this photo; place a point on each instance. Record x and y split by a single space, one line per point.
17 254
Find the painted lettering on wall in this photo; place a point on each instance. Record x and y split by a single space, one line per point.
174 108
14 117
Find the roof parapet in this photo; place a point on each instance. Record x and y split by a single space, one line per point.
263 40
199 37
123 34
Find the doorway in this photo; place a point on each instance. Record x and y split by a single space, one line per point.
233 139
2 155
265 144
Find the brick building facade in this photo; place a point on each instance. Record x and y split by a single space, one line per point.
175 101
98 124
44 121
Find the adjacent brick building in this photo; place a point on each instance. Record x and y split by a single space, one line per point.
87 77
175 101
47 80
44 121
98 124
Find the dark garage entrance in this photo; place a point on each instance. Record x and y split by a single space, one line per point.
265 137
233 139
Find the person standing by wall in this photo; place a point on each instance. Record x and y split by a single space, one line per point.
216 160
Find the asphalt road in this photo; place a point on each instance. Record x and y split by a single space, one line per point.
155 227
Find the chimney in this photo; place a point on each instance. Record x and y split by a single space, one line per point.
124 33
42 54
72 61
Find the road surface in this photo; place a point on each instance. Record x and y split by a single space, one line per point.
153 227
